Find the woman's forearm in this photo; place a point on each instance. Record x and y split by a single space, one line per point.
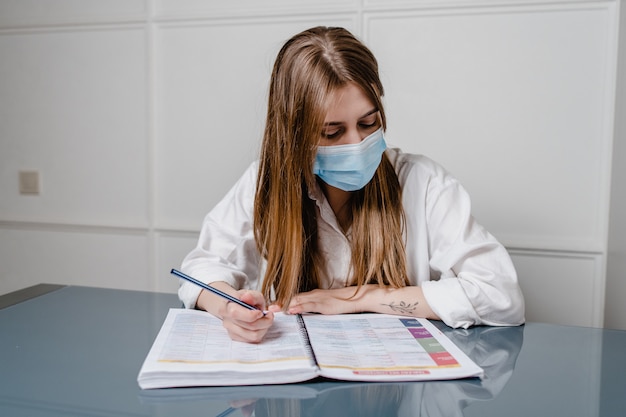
408 301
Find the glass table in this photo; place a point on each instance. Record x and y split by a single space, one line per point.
76 351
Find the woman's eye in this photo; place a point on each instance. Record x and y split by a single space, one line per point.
367 123
331 134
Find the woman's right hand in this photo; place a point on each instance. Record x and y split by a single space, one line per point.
242 325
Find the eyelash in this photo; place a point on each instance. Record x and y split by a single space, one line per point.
333 135
340 131
367 125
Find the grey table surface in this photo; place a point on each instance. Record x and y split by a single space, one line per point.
76 351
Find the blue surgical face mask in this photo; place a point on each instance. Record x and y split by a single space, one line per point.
350 167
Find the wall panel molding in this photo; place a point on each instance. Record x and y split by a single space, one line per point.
466 5
72 228
185 9
89 258
207 103
539 131
79 95
562 287
38 13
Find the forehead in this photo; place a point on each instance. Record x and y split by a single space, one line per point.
348 103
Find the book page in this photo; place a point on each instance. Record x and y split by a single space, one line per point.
193 348
197 337
379 347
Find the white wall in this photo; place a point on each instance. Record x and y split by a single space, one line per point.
140 114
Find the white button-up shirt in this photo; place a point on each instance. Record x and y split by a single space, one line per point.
466 275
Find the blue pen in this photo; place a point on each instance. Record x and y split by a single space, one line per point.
215 290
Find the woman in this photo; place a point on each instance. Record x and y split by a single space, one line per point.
331 221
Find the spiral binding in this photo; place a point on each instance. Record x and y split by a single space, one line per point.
305 335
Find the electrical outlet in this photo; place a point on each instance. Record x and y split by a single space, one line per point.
29 183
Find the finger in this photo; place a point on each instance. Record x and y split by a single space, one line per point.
274 308
243 334
301 304
253 298
317 302
249 319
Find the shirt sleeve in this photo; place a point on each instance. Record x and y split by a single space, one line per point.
473 280
226 249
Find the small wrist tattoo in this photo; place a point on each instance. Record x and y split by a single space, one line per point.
402 307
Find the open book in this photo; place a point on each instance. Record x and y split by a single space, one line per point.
193 349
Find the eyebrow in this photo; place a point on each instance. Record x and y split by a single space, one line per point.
374 110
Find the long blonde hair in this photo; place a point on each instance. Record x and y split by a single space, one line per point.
308 68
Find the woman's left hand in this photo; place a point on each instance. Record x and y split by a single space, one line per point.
333 301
